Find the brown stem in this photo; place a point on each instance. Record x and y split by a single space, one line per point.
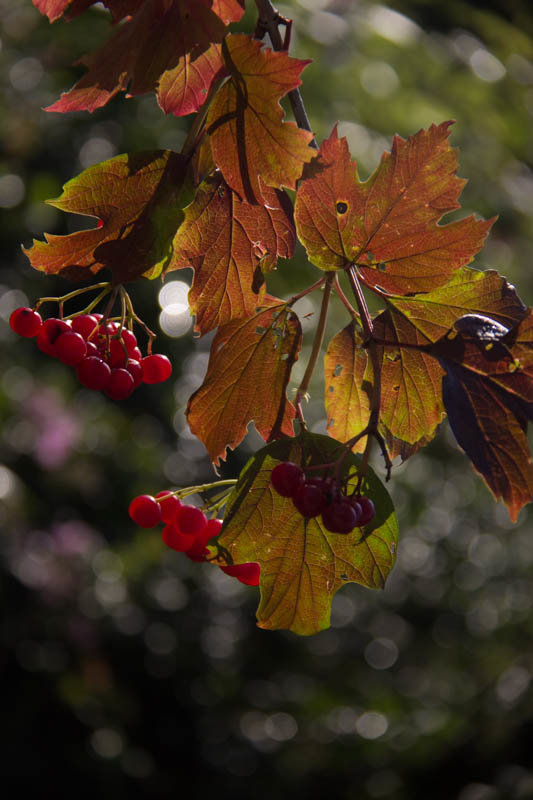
309 289
317 345
366 319
269 21
344 299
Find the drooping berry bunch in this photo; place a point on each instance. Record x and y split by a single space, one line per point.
322 496
187 530
105 355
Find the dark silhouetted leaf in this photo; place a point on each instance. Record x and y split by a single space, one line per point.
302 564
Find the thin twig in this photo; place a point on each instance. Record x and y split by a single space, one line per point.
344 299
309 289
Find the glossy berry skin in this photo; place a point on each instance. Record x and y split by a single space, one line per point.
135 370
25 322
70 348
145 511
121 384
93 373
309 500
49 333
339 516
169 504
198 552
368 510
175 538
84 324
245 573
287 478
191 520
129 339
156 368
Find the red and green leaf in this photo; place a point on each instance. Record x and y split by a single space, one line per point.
302 564
54 9
251 144
347 393
388 225
230 244
247 376
139 198
171 48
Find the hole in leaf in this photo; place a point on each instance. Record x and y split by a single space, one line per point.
342 208
259 330
393 355
337 371
331 389
382 266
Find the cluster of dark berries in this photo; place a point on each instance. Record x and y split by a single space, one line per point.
105 355
312 497
186 530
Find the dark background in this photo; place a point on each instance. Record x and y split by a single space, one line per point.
128 670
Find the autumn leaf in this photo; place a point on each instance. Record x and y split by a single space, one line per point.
302 564
230 244
488 395
54 9
347 394
388 224
247 376
139 198
168 47
248 137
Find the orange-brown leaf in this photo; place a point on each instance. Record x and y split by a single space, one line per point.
247 376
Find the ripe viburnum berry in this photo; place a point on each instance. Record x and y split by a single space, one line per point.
309 499
145 511
156 368
25 321
368 510
70 348
84 324
245 573
287 478
191 520
121 384
49 333
93 373
135 370
340 516
174 537
170 505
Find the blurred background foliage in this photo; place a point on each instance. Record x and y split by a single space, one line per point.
128 669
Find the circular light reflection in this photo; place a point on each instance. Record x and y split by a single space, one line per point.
172 293
175 319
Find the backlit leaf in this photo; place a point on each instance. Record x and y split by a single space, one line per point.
54 9
302 564
247 376
168 47
139 197
488 394
347 394
388 224
248 137
230 243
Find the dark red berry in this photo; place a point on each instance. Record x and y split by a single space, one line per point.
309 500
212 529
287 478
25 322
175 538
145 511
339 516
135 370
93 373
121 384
84 324
368 510
170 505
49 333
92 349
129 339
191 520
156 368
245 573
118 355
136 354
70 348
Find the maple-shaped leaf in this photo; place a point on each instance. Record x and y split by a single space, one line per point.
411 386
388 225
230 243
247 376
170 47
248 137
468 292
139 198
488 395
347 393
302 564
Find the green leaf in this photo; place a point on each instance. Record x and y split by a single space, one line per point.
302 564
139 197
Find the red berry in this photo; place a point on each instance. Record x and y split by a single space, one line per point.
118 354
100 223
368 510
49 333
287 478
212 529
92 349
93 373
191 520
129 339
70 348
135 370
309 500
175 538
145 511
156 368
169 504
339 516
121 384
245 573
136 354
25 322
84 324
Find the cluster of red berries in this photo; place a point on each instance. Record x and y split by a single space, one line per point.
312 497
186 530
106 356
